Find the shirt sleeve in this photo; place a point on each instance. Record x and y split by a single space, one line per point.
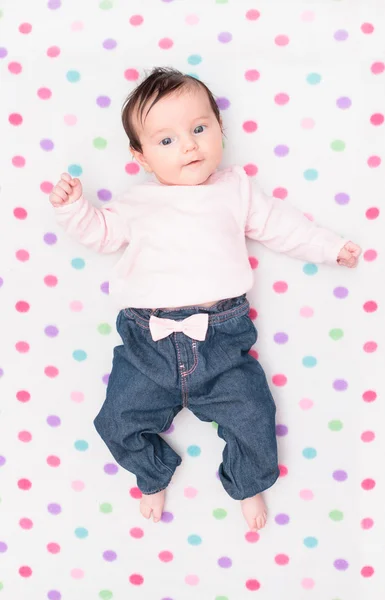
101 229
283 228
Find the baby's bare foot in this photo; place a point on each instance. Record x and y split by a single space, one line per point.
153 503
255 512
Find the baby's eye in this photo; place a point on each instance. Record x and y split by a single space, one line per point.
199 127
167 141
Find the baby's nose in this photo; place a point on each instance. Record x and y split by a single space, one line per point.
189 144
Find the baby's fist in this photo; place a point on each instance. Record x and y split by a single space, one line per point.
66 191
348 256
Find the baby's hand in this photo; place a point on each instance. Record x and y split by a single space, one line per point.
348 256
66 191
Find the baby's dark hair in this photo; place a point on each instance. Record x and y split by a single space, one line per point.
159 83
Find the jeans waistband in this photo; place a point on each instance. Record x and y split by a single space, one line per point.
219 312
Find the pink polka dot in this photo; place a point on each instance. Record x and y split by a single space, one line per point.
377 68
53 51
252 75
307 16
281 99
374 161
372 213
53 548
253 262
132 168
367 523
50 280
24 484
370 255
76 306
15 119
22 347
250 126
135 493
77 573
25 28
370 306
22 307
192 579
279 380
367 571
308 583
252 537
370 347
26 523
78 486
253 14
367 28
136 20
190 492
306 495
280 287
131 74
165 556
250 169
281 40
53 461
368 484
377 119
77 26
369 396
307 123
15 68
306 403
77 397
283 470
136 579
165 43
24 436
18 161
23 396
25 571
20 213
280 193
281 559
253 314
22 255
136 532
70 120
252 585
44 93
192 19
306 312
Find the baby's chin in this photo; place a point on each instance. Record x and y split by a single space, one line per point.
187 177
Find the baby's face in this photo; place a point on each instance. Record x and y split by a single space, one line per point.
181 138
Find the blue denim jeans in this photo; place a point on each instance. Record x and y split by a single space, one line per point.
217 379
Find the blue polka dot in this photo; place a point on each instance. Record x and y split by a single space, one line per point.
75 170
81 445
309 361
310 269
313 78
310 542
81 532
194 540
73 76
79 355
311 174
78 263
309 453
194 59
193 450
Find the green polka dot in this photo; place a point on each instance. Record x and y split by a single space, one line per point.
219 513
106 507
194 59
309 361
75 170
81 533
79 355
194 540
105 595
335 425
337 145
310 174
309 453
104 328
310 269
1 16
100 143
106 5
221 1
81 445
1 585
73 76
221 598
336 334
214 424
336 515
78 263
310 542
313 78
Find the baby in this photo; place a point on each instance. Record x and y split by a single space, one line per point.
180 288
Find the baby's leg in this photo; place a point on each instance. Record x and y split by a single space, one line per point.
153 503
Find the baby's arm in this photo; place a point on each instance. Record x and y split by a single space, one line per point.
103 230
283 228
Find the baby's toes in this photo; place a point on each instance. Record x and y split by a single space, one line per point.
145 510
156 513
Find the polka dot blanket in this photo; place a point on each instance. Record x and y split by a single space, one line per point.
300 86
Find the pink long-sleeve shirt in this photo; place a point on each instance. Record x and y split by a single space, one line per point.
185 245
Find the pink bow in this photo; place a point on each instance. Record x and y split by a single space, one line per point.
194 327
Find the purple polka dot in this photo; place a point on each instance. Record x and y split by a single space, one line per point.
225 37
103 101
341 564
225 562
2 460
340 385
51 331
111 468
46 144
167 517
281 150
109 555
223 103
3 52
54 509
281 430
105 287
344 102
53 421
217 474
282 519
340 475
1 372
3 547
109 44
342 198
104 195
281 338
105 378
1 281
54 4
170 429
50 238
341 35
54 595
340 292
